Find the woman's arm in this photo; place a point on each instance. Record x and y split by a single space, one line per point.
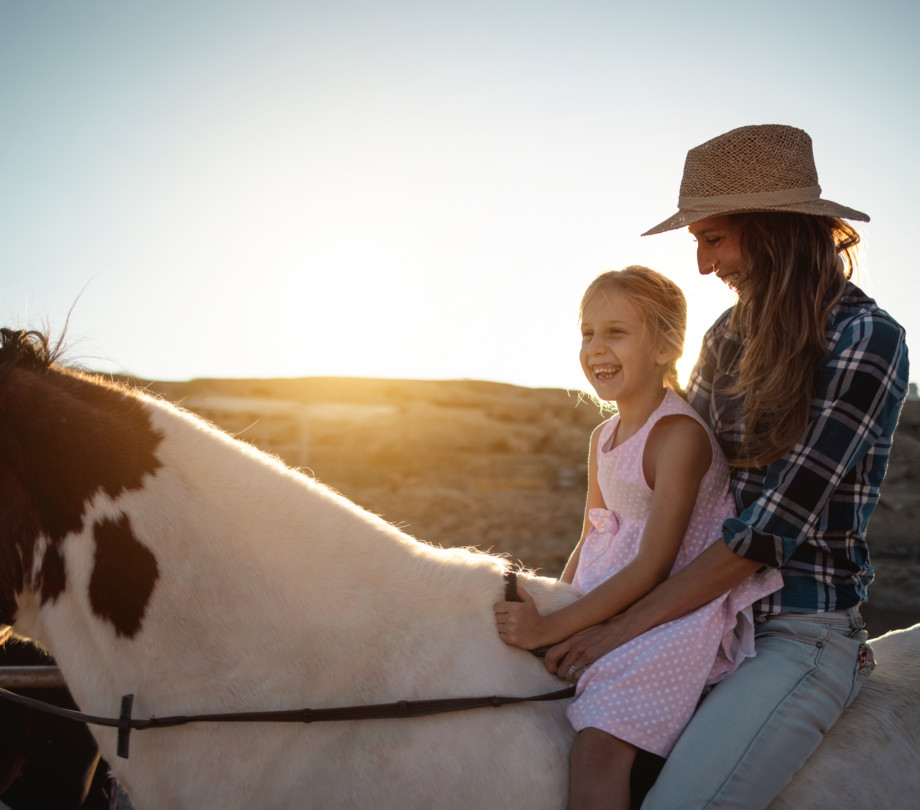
861 387
677 455
714 572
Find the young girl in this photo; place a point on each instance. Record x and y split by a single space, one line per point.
658 494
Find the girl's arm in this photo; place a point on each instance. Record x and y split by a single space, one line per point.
677 455
714 572
594 501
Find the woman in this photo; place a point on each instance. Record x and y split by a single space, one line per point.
802 382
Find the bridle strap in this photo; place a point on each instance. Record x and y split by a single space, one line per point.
379 711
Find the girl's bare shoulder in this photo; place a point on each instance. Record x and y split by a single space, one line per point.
681 441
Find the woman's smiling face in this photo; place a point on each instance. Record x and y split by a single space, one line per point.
718 250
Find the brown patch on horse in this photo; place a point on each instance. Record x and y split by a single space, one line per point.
64 437
124 574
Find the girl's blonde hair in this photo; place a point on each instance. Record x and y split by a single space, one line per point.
799 267
660 303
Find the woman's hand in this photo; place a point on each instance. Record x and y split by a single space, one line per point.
520 624
570 658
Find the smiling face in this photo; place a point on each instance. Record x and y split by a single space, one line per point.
617 355
718 250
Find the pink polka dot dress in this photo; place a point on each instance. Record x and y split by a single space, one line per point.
646 691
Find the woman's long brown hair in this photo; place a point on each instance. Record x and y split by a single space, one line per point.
799 265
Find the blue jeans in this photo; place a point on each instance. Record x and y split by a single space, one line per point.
755 729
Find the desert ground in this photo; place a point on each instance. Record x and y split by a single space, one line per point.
495 466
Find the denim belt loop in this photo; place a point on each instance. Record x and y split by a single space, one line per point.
856 621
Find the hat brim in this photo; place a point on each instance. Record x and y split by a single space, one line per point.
818 207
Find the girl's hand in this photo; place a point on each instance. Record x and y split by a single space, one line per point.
520 623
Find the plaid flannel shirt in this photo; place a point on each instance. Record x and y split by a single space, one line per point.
807 512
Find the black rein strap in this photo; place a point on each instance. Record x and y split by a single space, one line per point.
379 711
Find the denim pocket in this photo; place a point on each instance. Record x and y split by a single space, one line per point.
801 650
802 641
812 642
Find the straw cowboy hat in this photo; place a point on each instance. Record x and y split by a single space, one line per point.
769 167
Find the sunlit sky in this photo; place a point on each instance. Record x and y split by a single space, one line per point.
271 188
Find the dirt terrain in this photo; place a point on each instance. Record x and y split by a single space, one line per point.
496 466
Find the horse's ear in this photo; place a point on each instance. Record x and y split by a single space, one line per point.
21 347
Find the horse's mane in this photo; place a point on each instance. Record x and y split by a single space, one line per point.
19 347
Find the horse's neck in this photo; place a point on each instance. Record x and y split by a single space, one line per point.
252 559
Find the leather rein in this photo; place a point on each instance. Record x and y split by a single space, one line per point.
378 711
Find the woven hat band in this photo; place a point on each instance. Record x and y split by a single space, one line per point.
757 199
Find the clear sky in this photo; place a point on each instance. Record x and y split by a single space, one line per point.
411 188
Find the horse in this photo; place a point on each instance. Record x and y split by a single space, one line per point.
154 555
158 557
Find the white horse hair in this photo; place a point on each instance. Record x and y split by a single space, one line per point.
169 561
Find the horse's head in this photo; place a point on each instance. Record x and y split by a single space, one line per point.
65 436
